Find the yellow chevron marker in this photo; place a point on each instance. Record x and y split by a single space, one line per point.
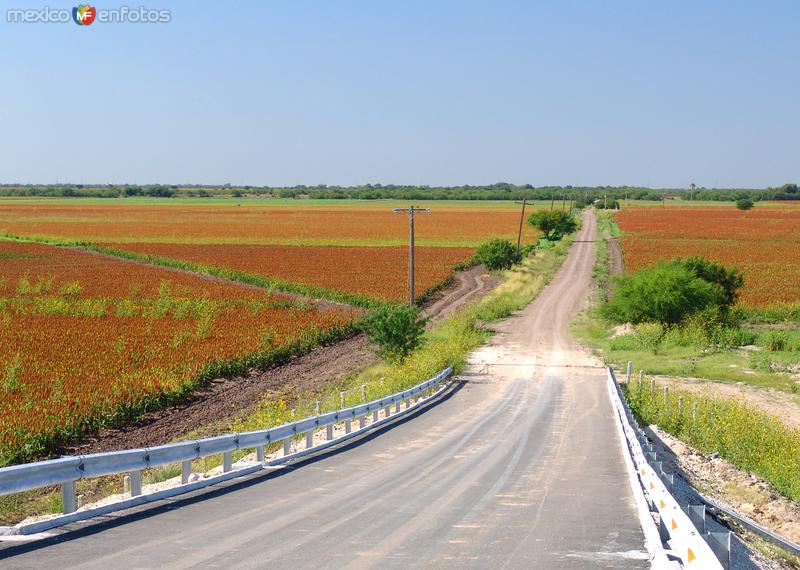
674 524
661 502
691 555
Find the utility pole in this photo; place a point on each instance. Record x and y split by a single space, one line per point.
605 201
411 211
521 219
552 197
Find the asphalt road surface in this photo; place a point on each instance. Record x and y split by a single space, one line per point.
520 467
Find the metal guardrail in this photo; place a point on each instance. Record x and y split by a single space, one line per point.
67 471
717 508
691 547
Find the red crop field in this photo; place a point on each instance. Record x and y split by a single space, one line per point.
379 272
763 242
282 223
85 337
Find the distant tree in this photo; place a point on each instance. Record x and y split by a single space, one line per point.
498 254
789 188
554 224
744 203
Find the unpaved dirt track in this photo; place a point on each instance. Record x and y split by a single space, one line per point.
520 468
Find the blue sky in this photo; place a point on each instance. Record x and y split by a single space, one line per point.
411 92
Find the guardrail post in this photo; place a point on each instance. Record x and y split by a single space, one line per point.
375 416
260 453
186 471
347 426
329 431
136 483
387 411
68 497
362 421
287 446
227 461
309 439
697 514
397 406
720 543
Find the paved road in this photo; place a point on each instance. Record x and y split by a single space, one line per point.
520 467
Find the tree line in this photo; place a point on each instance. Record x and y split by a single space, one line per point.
582 195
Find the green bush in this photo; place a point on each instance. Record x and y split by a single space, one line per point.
498 254
554 224
776 341
728 280
665 293
397 330
744 203
671 291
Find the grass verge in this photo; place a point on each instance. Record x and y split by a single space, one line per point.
745 436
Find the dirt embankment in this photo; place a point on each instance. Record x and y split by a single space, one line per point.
616 262
212 407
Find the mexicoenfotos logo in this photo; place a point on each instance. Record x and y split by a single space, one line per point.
83 14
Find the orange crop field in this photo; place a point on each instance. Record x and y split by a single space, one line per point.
276 222
764 243
379 272
85 337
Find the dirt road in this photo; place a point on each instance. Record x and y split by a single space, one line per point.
521 467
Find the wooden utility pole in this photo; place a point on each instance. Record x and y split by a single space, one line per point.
521 219
411 211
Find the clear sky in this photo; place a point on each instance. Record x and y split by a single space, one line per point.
407 92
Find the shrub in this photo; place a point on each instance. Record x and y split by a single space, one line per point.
665 293
554 224
672 290
650 336
397 330
776 341
728 280
498 254
744 203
